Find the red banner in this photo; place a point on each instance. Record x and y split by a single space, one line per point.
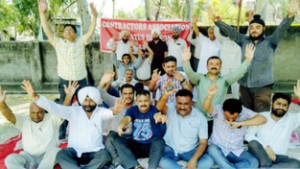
140 30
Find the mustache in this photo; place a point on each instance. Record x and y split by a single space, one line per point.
143 106
214 68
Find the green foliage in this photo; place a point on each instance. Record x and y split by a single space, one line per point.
7 15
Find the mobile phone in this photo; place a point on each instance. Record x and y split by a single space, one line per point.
169 88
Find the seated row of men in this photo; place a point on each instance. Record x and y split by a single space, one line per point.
137 129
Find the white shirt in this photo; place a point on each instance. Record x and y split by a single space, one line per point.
120 82
183 133
196 44
122 48
144 71
275 134
210 48
231 53
37 138
176 49
85 134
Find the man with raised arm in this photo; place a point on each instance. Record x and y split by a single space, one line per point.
256 84
69 50
229 129
39 137
203 81
85 146
269 142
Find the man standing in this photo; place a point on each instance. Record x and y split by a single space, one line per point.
186 135
85 145
178 80
69 50
203 81
176 46
39 137
269 142
210 46
160 50
226 141
146 138
256 84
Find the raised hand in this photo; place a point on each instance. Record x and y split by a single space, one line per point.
186 55
213 89
160 118
119 105
297 89
167 92
155 75
293 8
249 52
211 13
93 10
122 129
26 85
2 95
194 20
43 5
107 77
145 43
178 76
71 88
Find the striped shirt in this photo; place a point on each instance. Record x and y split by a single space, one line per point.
229 139
70 58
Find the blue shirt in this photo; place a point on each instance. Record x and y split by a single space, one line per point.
144 128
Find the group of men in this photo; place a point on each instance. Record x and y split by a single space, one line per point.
191 119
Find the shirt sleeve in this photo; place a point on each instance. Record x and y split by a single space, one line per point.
193 76
107 98
106 113
59 110
280 30
238 73
191 39
231 32
20 119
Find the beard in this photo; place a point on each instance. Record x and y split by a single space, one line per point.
258 37
175 36
125 40
155 38
89 108
278 112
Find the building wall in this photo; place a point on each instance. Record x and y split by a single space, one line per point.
36 61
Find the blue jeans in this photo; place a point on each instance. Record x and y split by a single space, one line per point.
67 158
169 159
128 151
245 160
281 161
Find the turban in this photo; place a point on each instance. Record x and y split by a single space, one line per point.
90 92
124 32
155 31
256 19
176 28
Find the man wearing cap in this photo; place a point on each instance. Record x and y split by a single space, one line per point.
210 45
122 46
256 84
160 50
69 50
85 145
176 46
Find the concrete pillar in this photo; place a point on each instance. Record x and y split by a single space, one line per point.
36 66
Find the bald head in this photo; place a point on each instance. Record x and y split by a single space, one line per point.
36 113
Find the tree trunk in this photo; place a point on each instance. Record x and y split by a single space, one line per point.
147 10
84 15
188 10
113 8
